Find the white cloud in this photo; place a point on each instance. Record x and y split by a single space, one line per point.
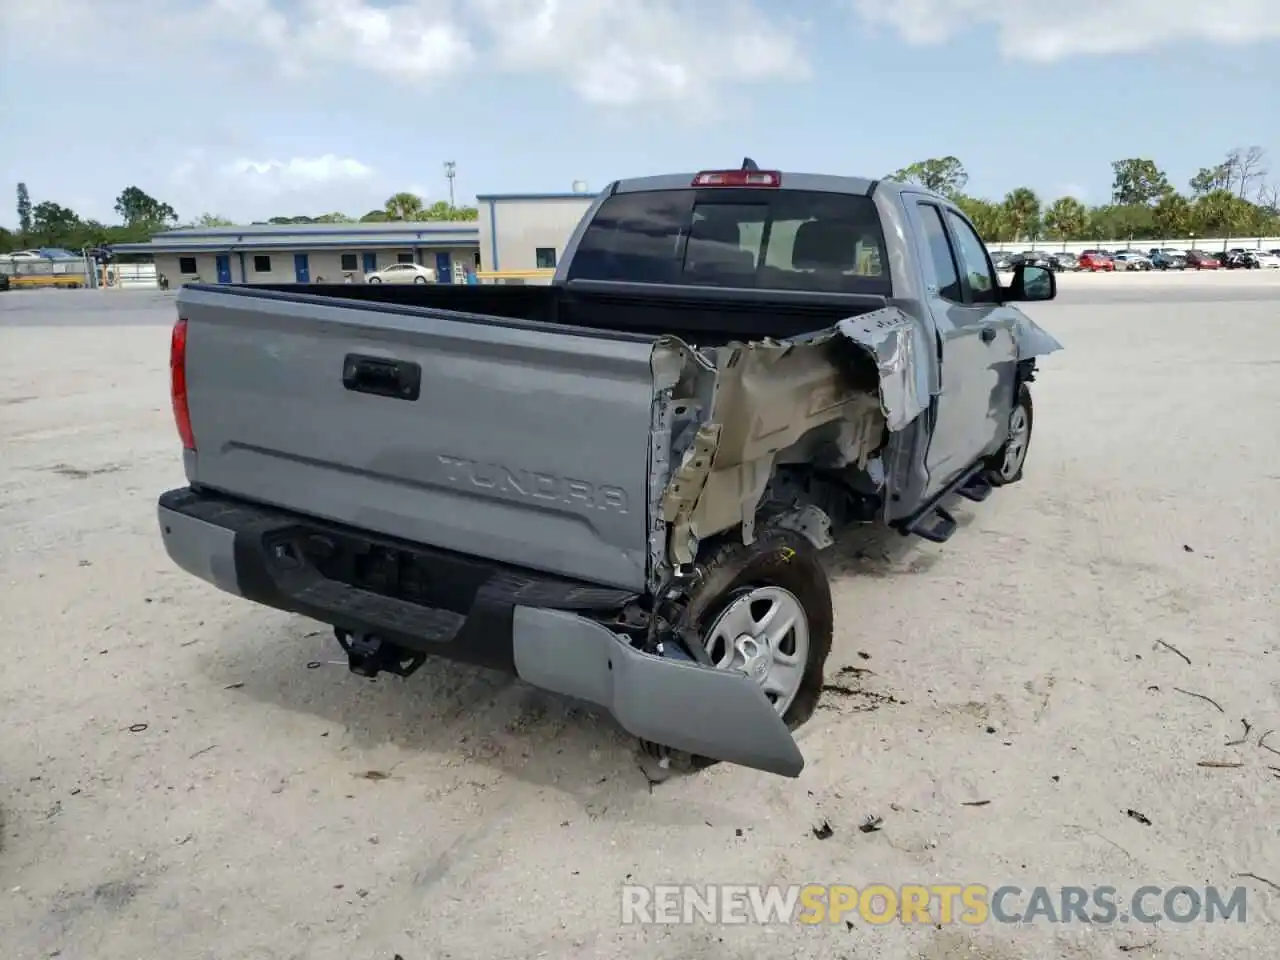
410 41
607 51
622 52
298 173
1049 30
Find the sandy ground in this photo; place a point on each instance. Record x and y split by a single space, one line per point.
175 783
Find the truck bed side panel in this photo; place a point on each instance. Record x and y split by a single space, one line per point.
524 446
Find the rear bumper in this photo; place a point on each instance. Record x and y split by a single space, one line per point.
462 608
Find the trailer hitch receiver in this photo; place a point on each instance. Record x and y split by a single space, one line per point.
368 655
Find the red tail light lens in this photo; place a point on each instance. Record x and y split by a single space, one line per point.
178 384
738 178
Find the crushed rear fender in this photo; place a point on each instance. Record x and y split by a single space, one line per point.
769 399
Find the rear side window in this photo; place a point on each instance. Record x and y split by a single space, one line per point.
940 253
764 239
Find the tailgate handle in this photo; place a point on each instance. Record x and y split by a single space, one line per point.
382 377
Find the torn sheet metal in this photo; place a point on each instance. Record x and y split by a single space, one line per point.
1032 339
767 396
901 349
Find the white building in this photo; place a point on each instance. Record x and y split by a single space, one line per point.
307 253
522 232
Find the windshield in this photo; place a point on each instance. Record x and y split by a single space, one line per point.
765 239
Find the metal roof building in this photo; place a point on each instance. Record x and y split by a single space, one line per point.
311 252
518 237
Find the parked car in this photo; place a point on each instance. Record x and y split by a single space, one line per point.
1199 260
1002 261
1066 260
1240 259
1268 259
1168 260
403 273
409 477
1131 260
1095 261
1035 258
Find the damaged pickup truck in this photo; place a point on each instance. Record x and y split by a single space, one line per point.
616 486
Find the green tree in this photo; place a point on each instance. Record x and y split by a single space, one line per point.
24 211
137 208
1115 221
944 175
1066 218
1209 179
440 210
404 206
8 240
1022 212
988 218
54 225
1172 215
1222 213
212 220
375 216
334 218
1138 182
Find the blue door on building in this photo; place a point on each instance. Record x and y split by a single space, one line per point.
223 261
370 263
444 268
301 268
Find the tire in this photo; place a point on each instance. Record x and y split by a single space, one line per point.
778 559
1002 468
374 280
419 279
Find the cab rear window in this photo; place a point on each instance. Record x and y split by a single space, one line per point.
735 238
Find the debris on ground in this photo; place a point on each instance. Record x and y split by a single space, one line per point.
823 831
1201 696
1248 727
1141 818
1169 646
1220 764
871 824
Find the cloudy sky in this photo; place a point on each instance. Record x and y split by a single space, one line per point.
250 108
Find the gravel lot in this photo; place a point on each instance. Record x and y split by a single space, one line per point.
175 783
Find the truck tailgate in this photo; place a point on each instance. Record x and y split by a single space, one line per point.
504 440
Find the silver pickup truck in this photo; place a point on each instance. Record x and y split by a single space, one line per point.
616 486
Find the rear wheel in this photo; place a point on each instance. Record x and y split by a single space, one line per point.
419 279
375 280
763 609
1005 465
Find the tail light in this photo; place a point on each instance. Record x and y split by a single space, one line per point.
178 384
738 178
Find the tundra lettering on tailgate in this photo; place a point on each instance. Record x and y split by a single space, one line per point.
531 484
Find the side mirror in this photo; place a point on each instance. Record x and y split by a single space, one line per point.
1032 284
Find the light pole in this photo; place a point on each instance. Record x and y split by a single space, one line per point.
450 171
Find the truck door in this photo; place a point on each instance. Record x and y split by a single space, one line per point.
976 339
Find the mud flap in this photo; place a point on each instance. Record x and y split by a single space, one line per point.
720 714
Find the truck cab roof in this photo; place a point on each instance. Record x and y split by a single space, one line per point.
821 182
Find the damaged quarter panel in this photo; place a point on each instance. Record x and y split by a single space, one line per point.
768 396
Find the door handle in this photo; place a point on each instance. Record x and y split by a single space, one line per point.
381 377
988 334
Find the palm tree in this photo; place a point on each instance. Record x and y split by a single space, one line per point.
404 206
1066 218
1022 208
